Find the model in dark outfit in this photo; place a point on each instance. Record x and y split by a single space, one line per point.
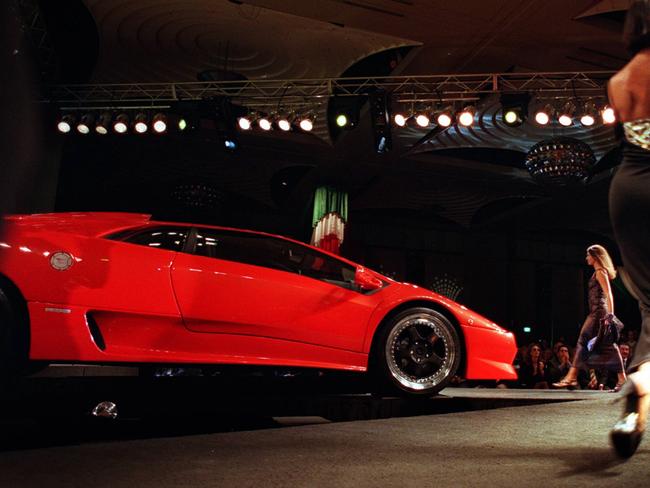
629 197
607 356
601 303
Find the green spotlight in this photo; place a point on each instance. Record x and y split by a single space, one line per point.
511 117
182 124
341 120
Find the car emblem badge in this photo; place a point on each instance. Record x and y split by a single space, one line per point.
61 261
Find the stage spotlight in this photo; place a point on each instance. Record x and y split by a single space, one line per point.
608 115
103 123
514 108
86 122
284 124
182 123
422 120
512 117
588 117
444 118
400 120
307 124
264 123
341 120
466 117
141 123
159 123
566 114
121 124
244 123
230 144
64 125
543 115
587 120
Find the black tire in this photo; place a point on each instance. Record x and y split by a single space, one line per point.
7 324
417 352
14 339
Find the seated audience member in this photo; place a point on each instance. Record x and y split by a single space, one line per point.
532 370
624 348
559 365
632 335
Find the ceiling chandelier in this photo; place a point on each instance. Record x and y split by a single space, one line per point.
561 161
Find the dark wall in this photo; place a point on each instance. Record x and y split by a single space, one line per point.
29 151
517 279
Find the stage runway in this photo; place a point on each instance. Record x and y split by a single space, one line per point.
561 443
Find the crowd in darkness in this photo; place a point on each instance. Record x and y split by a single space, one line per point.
540 364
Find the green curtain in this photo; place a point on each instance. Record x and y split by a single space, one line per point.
328 200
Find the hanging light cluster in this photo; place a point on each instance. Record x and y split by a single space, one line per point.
571 113
442 117
106 122
568 114
282 121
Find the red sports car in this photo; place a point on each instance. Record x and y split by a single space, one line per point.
121 288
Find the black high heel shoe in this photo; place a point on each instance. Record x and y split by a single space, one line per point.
627 432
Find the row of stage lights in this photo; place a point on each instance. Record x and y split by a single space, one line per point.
513 117
142 123
159 123
282 122
120 123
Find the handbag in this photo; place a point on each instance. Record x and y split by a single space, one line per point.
609 332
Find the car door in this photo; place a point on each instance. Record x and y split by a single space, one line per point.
256 285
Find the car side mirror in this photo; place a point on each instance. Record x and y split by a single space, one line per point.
366 280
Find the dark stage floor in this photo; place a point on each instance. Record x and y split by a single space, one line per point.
202 432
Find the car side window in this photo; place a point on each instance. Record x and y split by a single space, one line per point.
170 238
271 252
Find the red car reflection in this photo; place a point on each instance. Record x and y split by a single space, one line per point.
115 287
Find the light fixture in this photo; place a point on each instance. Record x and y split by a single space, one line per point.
588 117
264 123
400 119
514 108
244 123
230 144
566 114
85 123
283 123
560 162
307 123
466 117
121 124
64 125
182 123
103 123
159 123
444 118
512 117
140 124
543 115
608 115
422 120
341 120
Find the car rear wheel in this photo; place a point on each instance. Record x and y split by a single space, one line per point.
14 339
7 320
418 352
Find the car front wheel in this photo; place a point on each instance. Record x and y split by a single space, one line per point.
418 352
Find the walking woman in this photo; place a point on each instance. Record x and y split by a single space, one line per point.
629 208
601 303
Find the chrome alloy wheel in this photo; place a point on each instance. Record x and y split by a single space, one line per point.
421 351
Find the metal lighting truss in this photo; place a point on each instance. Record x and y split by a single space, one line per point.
310 92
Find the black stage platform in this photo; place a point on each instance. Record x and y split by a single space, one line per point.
311 432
